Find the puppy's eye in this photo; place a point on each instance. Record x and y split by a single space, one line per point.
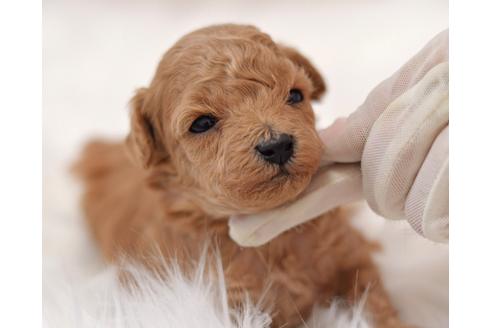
295 96
202 124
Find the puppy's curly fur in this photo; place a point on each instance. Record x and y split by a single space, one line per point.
177 188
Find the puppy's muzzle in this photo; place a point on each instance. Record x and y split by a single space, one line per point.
277 150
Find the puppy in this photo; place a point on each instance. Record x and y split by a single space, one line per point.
226 127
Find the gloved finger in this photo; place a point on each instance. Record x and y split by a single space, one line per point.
427 204
400 140
346 145
331 187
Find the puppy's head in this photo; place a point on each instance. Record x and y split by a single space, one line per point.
227 120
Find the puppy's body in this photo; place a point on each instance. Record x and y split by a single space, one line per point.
183 195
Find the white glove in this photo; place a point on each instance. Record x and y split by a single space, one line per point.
400 137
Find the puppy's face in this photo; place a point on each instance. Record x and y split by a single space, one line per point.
228 120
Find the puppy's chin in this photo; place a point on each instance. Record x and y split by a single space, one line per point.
281 188
273 188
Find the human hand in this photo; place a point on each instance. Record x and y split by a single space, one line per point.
399 137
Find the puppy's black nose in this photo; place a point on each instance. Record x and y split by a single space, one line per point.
278 150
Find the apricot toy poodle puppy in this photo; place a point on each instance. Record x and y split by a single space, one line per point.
226 127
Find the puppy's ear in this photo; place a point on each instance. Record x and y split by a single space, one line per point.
142 143
301 61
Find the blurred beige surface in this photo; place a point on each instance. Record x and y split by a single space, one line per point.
96 53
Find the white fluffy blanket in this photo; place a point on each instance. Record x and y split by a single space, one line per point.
174 301
80 291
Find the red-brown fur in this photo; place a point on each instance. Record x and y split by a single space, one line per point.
179 188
